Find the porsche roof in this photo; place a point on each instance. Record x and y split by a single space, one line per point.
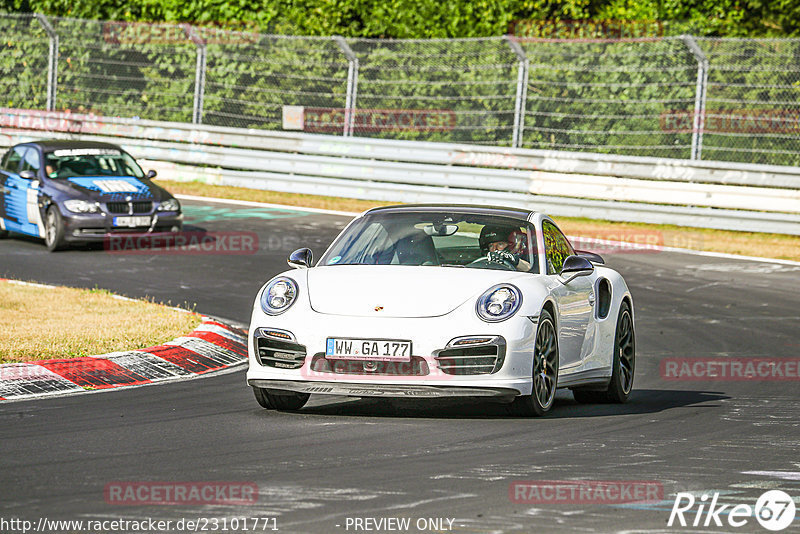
49 145
505 211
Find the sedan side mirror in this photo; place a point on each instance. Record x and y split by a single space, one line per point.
28 175
150 174
575 266
300 259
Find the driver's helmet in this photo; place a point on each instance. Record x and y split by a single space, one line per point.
492 233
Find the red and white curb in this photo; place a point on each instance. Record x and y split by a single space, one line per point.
212 346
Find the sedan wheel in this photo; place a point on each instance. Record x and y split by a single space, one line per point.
53 229
545 371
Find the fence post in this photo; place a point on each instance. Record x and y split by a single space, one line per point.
352 85
522 91
199 74
52 62
699 116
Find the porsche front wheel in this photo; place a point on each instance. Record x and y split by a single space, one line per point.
545 371
287 401
624 364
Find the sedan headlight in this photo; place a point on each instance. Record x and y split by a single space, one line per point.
82 206
499 303
279 295
170 204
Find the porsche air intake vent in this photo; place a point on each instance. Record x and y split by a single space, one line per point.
472 356
280 354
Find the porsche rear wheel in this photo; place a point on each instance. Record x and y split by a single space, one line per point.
545 371
624 364
53 229
286 401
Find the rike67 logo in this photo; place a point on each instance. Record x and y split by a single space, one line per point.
774 510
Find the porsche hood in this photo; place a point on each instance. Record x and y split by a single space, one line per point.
397 290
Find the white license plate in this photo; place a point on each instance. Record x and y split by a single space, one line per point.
132 222
387 350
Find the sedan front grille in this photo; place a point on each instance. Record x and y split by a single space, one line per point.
460 358
139 206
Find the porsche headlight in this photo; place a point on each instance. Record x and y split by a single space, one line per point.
499 303
81 206
279 295
170 204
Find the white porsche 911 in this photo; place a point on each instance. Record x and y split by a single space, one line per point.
444 301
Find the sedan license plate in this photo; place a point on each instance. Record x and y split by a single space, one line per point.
132 222
386 350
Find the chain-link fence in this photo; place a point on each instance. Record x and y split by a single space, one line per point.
678 96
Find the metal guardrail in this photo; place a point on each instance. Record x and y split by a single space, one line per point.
624 188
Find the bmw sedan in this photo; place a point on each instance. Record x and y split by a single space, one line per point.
80 191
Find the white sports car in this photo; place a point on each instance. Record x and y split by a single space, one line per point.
444 301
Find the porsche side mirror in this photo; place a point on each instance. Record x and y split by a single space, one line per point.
27 175
591 256
150 174
575 266
300 259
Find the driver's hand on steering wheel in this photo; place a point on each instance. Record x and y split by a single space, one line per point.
503 256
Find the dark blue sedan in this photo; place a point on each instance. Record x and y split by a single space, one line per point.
80 191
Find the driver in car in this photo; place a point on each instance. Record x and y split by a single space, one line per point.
504 246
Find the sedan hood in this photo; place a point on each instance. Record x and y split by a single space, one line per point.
104 187
397 290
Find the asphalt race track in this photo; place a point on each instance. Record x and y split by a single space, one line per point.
340 459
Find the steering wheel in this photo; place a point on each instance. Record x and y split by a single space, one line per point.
484 263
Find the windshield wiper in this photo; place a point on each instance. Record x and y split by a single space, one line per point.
452 265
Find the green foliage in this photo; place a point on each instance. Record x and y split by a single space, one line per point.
615 97
432 18
23 62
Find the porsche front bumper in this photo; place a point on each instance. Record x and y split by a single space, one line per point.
431 372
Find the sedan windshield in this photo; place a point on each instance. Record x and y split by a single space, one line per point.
469 240
69 163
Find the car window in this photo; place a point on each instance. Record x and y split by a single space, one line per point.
556 247
436 239
31 161
12 159
68 163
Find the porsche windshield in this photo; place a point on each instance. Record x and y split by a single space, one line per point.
437 239
90 162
